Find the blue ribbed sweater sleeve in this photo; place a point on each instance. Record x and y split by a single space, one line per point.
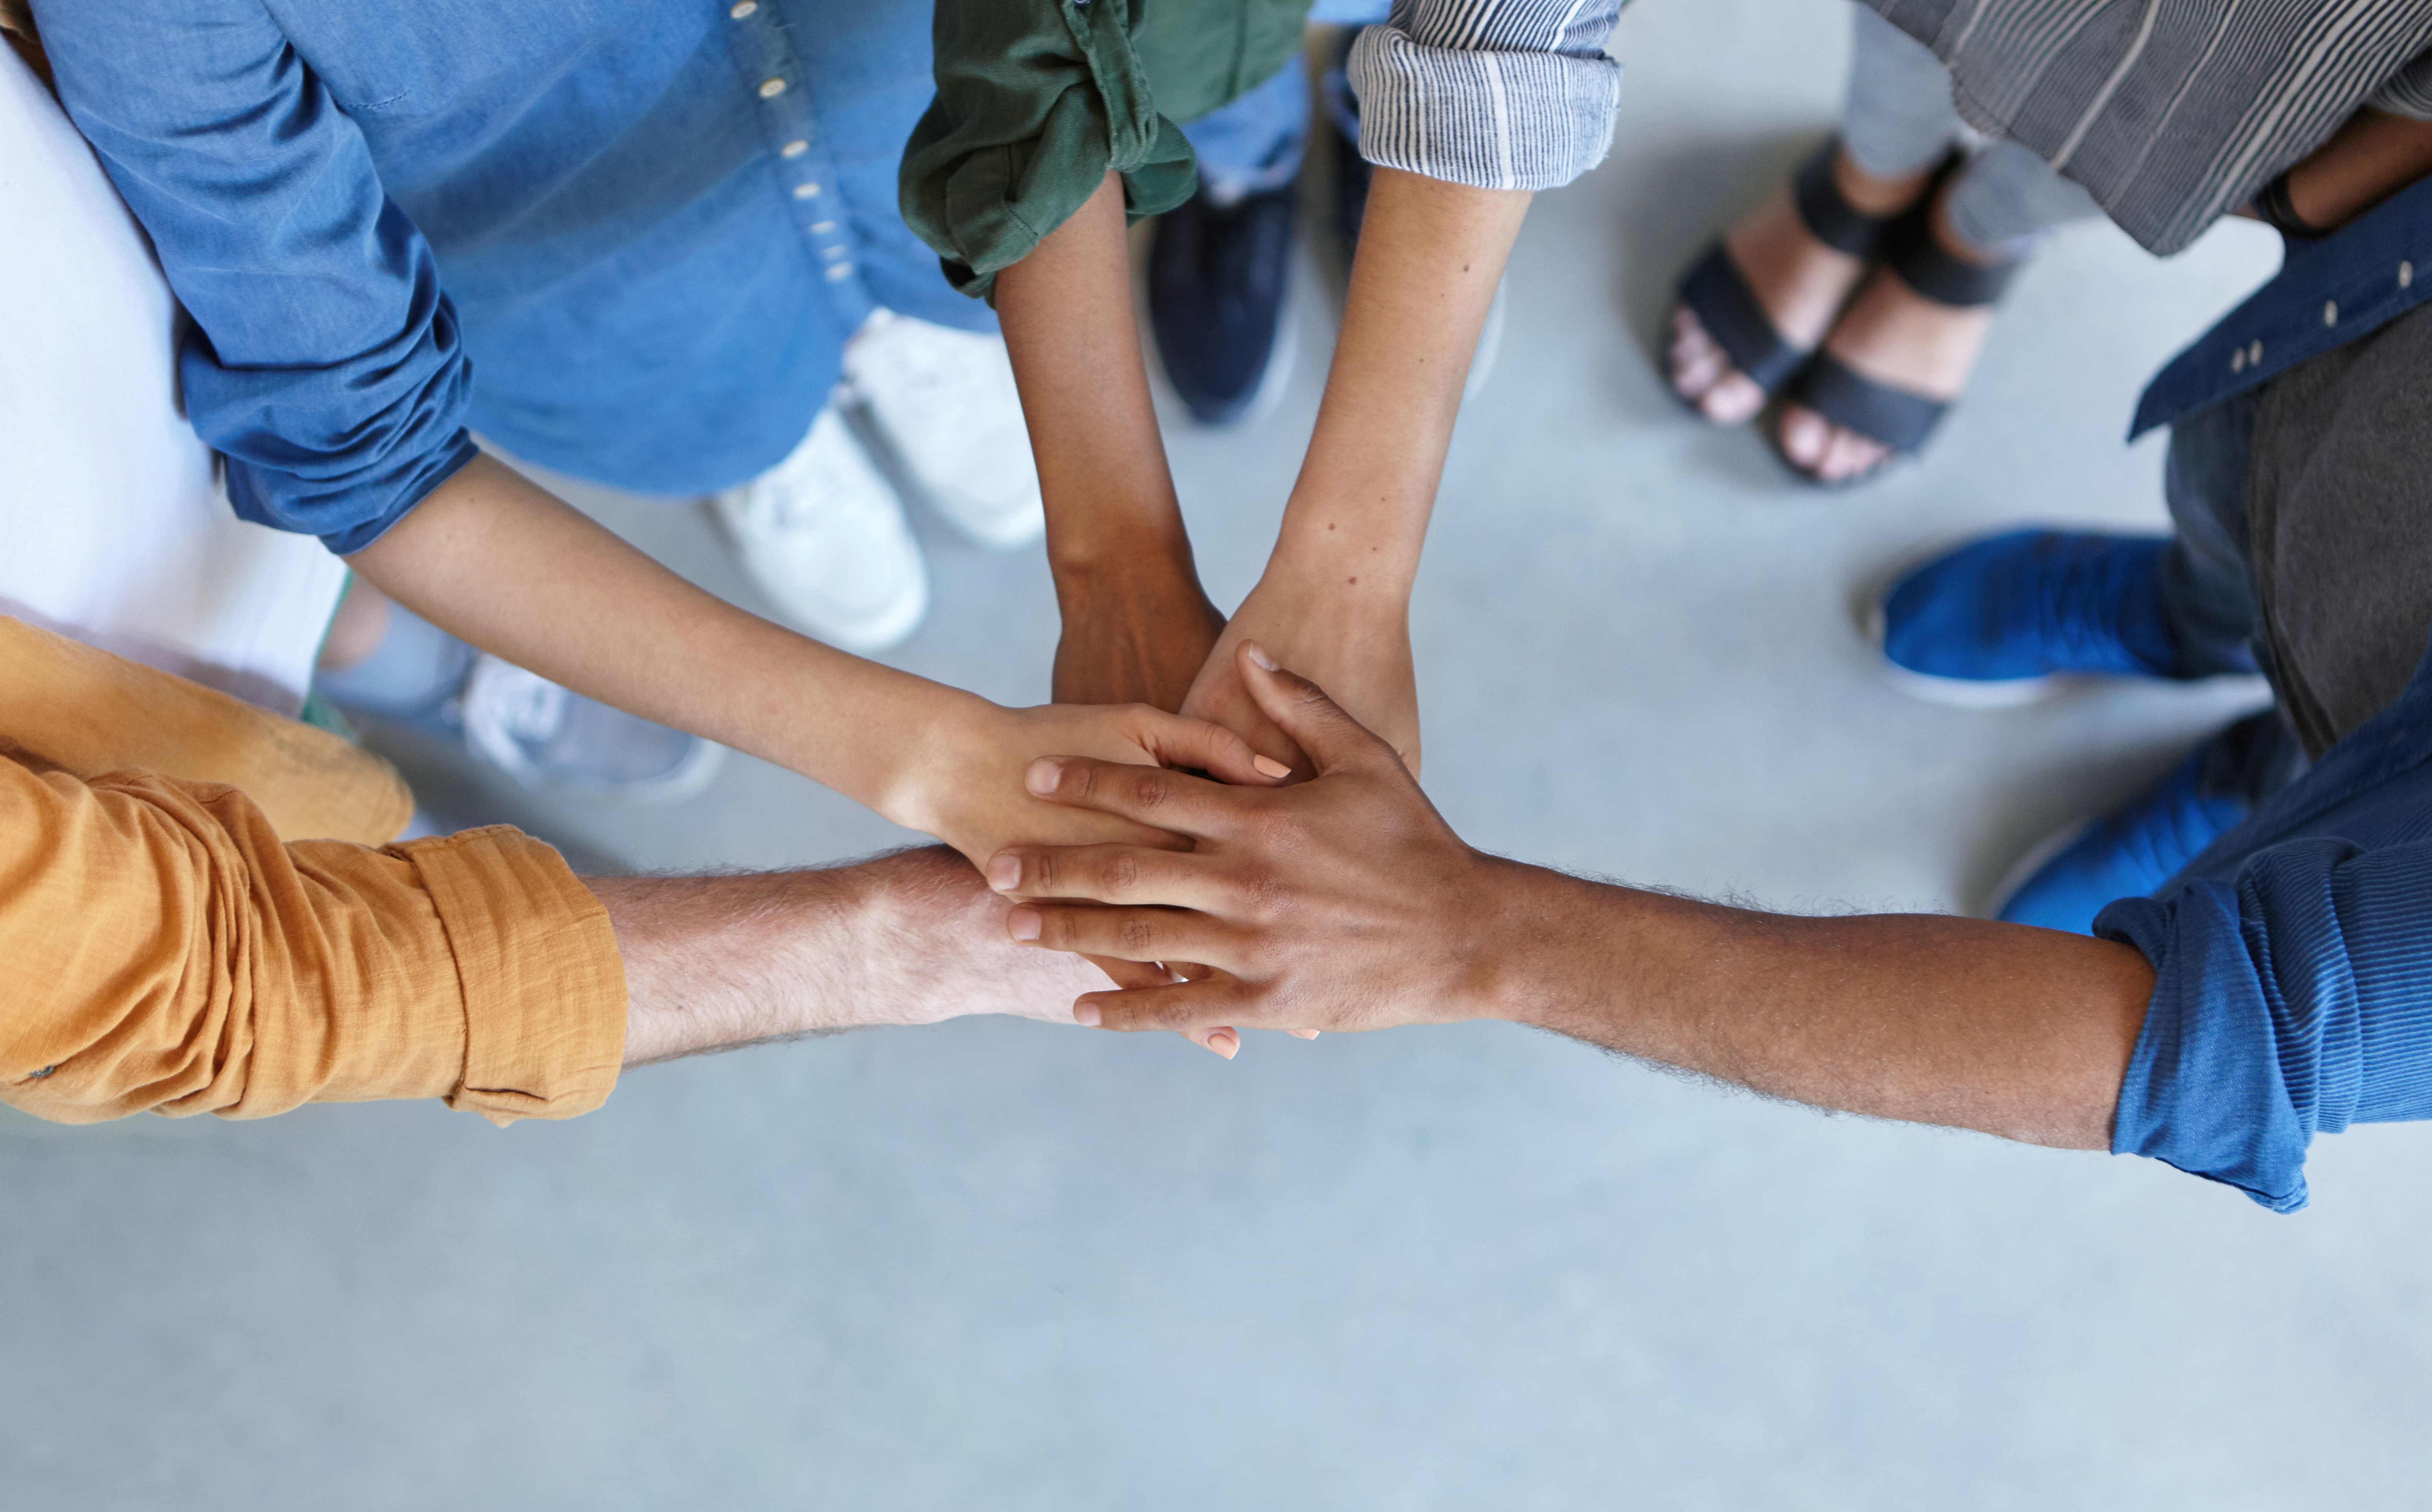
2293 1000
323 362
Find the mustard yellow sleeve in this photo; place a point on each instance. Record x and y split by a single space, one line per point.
164 952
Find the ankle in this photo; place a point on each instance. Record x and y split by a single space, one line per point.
1947 235
1872 195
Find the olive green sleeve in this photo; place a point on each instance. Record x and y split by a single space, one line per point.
1037 101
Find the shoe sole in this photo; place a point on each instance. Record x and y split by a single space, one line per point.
2036 860
691 778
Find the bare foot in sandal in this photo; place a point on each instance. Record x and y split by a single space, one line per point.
1900 341
1798 281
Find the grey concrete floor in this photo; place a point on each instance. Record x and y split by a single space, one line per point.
1003 1265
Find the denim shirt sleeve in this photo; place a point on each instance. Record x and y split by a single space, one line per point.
2288 1002
321 361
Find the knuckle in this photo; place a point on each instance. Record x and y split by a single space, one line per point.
1121 875
1076 779
1138 933
1151 788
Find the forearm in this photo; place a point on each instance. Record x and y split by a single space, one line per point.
714 962
1067 313
494 559
1431 254
2016 1032
2373 156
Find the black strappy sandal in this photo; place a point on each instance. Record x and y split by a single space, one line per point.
1894 417
1716 291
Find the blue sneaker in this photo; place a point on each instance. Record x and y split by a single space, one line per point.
2001 621
2070 877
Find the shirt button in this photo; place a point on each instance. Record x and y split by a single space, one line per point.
822 228
806 191
742 8
771 88
2406 274
794 148
2253 354
2238 360
839 271
2330 312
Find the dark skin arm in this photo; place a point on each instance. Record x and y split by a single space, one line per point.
1348 903
2373 156
1137 624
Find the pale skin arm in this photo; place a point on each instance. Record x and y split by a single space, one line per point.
1137 624
717 963
1348 903
498 561
1335 596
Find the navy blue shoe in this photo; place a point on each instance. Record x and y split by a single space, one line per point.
1217 279
1999 621
2068 879
1352 173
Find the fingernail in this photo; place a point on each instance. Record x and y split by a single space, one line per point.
1041 777
1258 654
1085 1015
1022 923
1270 766
1004 872
1304 1034
1225 1043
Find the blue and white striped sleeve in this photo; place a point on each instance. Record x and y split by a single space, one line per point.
2409 91
1492 94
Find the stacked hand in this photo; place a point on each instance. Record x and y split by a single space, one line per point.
965 786
1152 637
1344 904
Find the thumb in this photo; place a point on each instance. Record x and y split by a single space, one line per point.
1300 708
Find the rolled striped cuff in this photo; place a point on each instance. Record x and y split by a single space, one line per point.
1502 95
2409 91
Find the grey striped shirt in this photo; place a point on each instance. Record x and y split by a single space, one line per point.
2170 112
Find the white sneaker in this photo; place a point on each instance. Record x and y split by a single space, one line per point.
824 534
944 401
544 735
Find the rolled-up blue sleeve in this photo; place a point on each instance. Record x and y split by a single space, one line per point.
1492 94
2293 1001
322 362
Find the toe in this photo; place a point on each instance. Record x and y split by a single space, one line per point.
1804 438
1696 359
1732 399
1850 455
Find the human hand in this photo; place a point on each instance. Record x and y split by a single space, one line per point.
965 786
1343 904
1356 644
1138 632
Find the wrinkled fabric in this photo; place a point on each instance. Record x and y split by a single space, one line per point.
624 239
220 932
1038 100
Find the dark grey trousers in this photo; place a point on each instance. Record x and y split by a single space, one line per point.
2304 542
